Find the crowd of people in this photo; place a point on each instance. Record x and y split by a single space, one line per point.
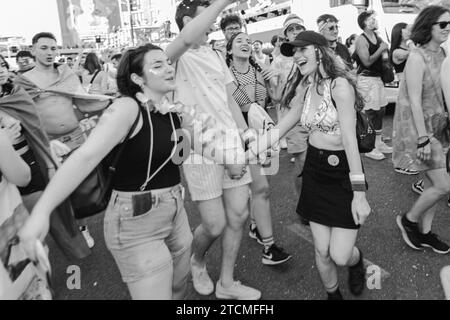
151 99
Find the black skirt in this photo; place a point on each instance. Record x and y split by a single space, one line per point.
327 195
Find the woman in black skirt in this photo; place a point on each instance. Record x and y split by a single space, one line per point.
333 195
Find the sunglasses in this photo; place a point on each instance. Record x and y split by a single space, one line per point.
333 28
295 28
442 24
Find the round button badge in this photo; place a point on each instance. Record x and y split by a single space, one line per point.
333 160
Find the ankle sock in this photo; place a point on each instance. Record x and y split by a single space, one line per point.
268 242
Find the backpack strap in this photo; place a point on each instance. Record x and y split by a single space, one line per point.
95 76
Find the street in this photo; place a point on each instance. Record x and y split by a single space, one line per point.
404 273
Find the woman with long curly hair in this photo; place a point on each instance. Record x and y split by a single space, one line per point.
334 188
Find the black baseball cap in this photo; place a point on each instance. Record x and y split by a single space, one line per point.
303 39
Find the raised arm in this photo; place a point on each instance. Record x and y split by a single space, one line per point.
194 30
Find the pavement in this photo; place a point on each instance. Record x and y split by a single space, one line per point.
396 272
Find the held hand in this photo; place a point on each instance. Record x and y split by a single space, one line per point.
35 229
424 153
236 171
360 208
384 46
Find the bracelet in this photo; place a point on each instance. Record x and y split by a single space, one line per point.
424 143
359 186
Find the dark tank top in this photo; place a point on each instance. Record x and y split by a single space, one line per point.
131 169
376 69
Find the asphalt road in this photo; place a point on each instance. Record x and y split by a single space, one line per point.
406 274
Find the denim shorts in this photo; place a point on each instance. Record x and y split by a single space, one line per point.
146 245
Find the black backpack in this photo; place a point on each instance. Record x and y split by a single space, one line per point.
365 133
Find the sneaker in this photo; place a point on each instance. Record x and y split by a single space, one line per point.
237 292
274 256
384 148
418 187
410 232
357 277
335 295
87 236
201 280
431 240
408 172
375 154
254 234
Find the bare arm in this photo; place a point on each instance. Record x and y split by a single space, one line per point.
194 30
399 56
414 71
12 166
344 96
362 50
445 80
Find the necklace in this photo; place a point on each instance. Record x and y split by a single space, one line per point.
234 69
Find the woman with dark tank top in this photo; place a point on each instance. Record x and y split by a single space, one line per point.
251 87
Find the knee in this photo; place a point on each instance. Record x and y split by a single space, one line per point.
261 191
323 254
340 258
443 188
214 229
237 218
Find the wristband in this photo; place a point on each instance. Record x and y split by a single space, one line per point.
359 186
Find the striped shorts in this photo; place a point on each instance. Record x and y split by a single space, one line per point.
206 180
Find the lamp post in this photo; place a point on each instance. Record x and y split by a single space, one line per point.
130 7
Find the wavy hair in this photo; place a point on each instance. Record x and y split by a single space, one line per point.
423 25
132 62
333 67
396 38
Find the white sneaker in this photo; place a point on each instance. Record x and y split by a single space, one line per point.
87 236
375 154
201 280
384 148
237 292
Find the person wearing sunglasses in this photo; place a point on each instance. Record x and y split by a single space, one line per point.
420 127
230 24
328 27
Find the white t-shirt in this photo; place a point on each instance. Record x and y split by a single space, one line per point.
202 77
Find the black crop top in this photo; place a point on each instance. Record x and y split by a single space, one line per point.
131 169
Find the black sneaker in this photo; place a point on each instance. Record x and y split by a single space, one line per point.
357 277
431 240
254 234
410 232
274 256
417 187
335 295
